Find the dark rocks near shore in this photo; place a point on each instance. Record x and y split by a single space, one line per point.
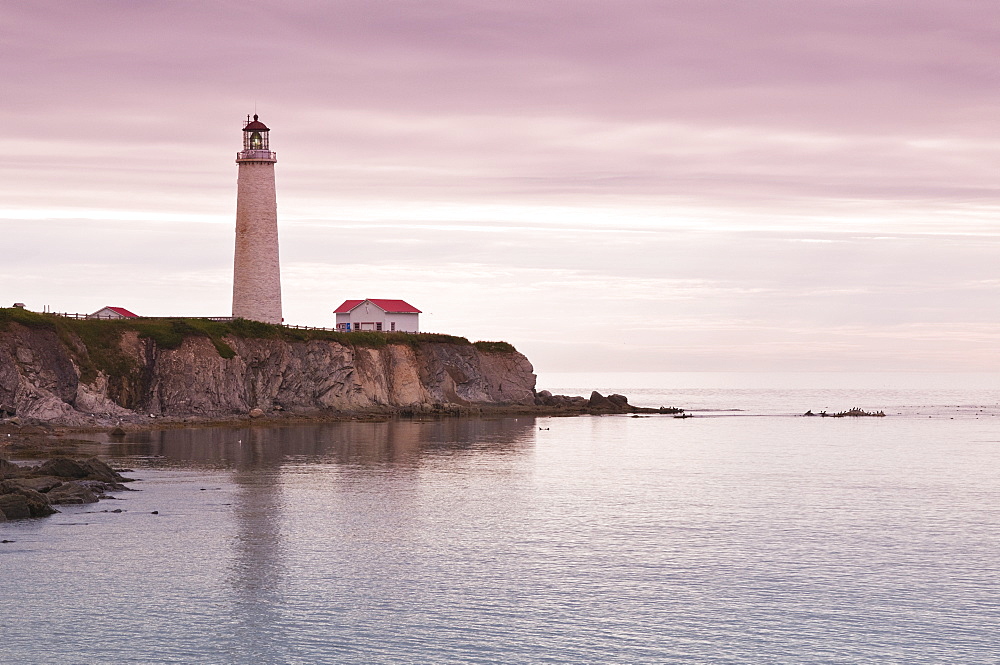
597 404
32 491
850 413
8 469
18 501
545 398
14 505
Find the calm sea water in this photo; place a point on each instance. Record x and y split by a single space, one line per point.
745 535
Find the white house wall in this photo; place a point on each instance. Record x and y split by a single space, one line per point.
106 313
404 322
366 316
366 312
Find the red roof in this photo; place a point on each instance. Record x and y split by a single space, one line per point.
255 124
388 306
120 310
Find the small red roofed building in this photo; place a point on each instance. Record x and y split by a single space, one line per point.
112 313
377 314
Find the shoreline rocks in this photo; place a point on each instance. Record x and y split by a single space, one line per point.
850 413
597 404
32 491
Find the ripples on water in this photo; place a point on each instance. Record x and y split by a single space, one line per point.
593 540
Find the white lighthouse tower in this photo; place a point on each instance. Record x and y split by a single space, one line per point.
256 272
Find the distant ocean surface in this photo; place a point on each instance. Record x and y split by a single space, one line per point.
718 393
745 534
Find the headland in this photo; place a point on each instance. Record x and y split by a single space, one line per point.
141 373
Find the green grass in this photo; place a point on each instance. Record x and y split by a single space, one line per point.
170 333
10 315
495 347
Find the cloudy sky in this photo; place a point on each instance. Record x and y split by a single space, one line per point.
609 185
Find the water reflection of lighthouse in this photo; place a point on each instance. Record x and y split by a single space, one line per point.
321 518
258 570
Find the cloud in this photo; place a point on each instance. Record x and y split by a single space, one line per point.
683 179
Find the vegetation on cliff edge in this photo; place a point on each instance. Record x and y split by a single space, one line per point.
495 347
103 351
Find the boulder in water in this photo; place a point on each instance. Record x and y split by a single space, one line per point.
37 503
72 492
14 507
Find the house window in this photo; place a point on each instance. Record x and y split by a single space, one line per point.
392 325
378 326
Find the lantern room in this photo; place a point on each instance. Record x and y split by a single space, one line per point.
256 147
255 134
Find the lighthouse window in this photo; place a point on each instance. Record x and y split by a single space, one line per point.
255 141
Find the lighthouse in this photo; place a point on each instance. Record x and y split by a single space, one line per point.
256 272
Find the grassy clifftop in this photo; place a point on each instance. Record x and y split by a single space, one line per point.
169 333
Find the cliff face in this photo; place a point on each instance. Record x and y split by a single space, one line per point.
49 376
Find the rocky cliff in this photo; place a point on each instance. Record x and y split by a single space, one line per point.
96 373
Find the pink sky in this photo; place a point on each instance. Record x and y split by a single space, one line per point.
758 185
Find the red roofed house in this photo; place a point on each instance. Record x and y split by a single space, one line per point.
377 314
113 313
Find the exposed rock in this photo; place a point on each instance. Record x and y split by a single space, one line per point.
98 470
39 405
38 504
10 470
61 467
40 378
545 398
59 480
37 377
256 413
854 413
66 468
72 492
93 398
599 402
620 401
850 413
39 483
14 507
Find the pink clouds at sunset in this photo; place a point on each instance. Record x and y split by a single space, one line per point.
608 185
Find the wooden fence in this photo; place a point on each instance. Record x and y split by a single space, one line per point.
212 318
